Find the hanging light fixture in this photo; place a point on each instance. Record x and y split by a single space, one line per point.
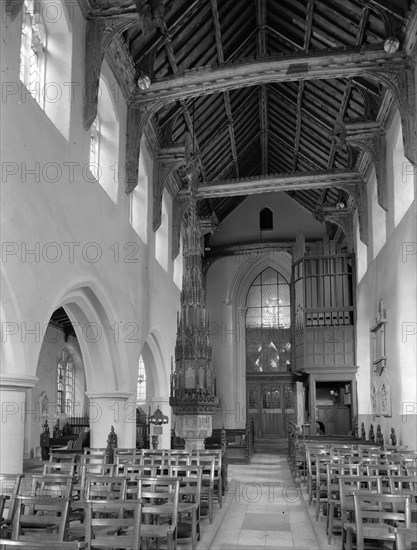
143 81
158 418
391 44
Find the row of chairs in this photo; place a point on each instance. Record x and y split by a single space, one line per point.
369 494
71 489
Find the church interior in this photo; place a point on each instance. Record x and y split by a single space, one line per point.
208 228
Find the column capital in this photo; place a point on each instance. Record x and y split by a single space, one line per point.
17 381
111 394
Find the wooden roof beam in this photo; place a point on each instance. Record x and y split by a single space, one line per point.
263 92
298 124
226 95
278 182
187 117
303 66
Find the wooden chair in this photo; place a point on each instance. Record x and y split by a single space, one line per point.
319 486
334 471
99 487
63 468
113 524
220 473
375 513
91 469
311 458
207 484
52 485
68 458
9 489
42 545
406 538
347 486
159 497
40 518
189 502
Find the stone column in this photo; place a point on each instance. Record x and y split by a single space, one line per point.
111 408
13 415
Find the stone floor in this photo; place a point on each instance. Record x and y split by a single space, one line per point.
265 508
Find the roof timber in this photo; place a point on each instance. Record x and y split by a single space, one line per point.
278 182
303 66
226 95
263 95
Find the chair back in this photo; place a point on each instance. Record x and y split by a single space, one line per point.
37 516
375 513
9 488
348 485
52 485
99 487
113 524
65 468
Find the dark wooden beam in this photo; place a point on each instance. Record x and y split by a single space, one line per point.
309 25
263 92
278 182
263 120
303 66
226 95
362 26
187 117
298 124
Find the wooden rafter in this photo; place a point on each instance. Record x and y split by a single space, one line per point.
309 25
226 94
342 111
278 182
362 26
317 66
301 85
298 123
263 91
187 117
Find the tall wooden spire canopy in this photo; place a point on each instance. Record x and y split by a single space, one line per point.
193 383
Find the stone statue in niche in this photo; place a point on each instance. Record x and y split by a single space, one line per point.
371 434
66 429
57 432
379 435
393 437
111 445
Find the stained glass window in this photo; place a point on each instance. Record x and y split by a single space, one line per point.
65 385
33 51
268 324
141 387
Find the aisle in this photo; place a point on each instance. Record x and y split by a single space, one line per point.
265 508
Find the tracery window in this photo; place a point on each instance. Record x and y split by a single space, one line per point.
268 324
141 386
65 383
33 51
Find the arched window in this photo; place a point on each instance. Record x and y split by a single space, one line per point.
268 324
266 219
46 58
65 385
95 148
162 235
33 51
141 387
